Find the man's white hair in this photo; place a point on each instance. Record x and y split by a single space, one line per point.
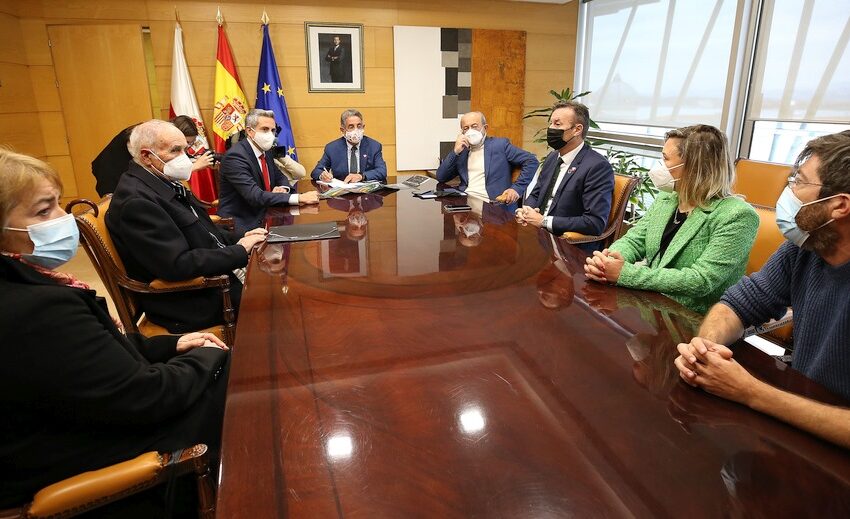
146 136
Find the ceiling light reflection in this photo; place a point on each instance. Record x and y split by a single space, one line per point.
472 420
340 446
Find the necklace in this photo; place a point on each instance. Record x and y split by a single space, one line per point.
679 213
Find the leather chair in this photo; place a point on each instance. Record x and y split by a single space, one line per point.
624 185
123 289
760 182
768 239
90 490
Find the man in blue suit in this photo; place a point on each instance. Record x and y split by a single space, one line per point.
485 167
353 157
250 179
576 184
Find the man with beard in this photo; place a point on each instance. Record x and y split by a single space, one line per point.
810 273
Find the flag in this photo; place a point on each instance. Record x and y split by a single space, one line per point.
270 94
230 103
184 102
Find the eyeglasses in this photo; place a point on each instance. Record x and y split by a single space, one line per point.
793 182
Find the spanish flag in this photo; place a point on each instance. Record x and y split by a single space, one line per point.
231 106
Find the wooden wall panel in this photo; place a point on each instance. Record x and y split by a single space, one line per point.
498 80
22 133
44 88
62 164
11 51
16 94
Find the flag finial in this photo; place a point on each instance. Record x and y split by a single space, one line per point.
264 18
218 17
176 14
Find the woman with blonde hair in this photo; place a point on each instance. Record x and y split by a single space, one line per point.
695 240
78 394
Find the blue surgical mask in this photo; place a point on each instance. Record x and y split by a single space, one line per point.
55 241
787 208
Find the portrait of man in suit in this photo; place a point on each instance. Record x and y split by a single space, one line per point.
338 60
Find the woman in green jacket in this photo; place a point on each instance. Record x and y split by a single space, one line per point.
693 243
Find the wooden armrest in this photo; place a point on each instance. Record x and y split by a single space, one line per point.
160 285
577 237
90 487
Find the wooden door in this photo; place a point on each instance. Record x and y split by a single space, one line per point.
103 86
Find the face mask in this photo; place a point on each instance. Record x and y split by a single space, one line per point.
55 241
661 177
354 136
179 168
555 137
787 208
358 219
474 137
471 228
264 140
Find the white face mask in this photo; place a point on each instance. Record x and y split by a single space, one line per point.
474 137
55 241
263 140
354 136
661 177
179 168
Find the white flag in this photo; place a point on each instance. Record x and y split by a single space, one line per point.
183 100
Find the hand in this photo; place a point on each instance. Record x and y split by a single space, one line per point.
307 209
280 189
696 352
612 264
532 217
258 231
310 197
508 196
249 241
722 376
199 340
461 143
354 177
202 161
326 176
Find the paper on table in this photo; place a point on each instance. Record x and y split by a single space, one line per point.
339 183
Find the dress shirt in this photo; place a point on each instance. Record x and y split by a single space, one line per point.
568 159
258 153
475 168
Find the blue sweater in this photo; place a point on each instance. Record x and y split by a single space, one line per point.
820 297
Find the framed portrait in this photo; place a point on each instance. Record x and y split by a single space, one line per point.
334 57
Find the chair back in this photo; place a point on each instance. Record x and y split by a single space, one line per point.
624 186
98 244
760 182
768 238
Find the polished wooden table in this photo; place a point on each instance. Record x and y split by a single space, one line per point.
435 365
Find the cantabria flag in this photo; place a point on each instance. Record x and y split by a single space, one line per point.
231 106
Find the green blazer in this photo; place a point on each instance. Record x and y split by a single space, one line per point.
706 256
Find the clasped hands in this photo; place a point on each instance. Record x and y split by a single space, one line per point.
710 366
529 216
327 175
604 266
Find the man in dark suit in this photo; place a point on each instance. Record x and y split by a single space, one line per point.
353 157
485 168
250 179
576 184
336 58
161 231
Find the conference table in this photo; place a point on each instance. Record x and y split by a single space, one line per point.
427 364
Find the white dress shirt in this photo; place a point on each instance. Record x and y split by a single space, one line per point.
568 159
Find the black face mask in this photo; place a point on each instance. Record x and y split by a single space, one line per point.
555 138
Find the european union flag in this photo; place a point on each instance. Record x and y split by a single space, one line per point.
270 95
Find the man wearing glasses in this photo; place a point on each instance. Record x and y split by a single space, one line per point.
250 179
811 274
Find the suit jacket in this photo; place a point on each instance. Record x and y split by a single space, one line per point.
500 157
582 202
242 190
707 255
78 395
158 236
335 159
337 66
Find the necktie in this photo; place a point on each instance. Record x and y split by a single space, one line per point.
550 189
180 191
352 161
265 169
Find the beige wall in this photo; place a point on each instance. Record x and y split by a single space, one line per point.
25 59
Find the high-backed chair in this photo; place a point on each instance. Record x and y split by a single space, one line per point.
624 185
99 246
760 182
768 239
91 490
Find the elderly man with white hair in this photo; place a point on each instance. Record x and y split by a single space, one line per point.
162 232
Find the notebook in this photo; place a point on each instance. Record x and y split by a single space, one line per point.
303 232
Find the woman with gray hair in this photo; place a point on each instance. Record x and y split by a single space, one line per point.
695 240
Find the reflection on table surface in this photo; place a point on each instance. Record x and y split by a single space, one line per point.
427 364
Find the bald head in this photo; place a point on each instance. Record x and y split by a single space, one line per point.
474 120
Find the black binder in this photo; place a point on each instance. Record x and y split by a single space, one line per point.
303 232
